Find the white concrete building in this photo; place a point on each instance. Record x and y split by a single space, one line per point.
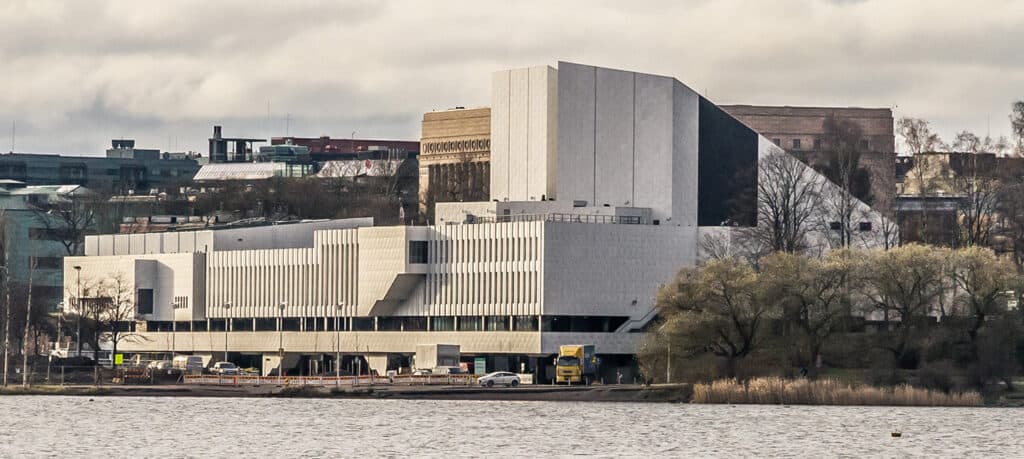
604 183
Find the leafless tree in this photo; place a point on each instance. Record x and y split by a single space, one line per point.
977 209
788 205
118 311
32 265
919 138
1017 123
918 135
5 240
1011 213
68 218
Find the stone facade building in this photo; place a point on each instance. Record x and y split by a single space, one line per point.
454 157
800 131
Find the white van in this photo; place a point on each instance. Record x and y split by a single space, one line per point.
188 363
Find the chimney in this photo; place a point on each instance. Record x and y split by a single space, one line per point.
216 132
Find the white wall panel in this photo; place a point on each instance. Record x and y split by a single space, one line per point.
685 142
600 269
576 132
519 134
613 148
500 134
652 164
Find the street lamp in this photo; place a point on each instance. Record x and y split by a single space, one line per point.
174 329
60 321
280 337
78 313
227 309
337 343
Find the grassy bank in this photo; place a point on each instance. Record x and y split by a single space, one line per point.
774 390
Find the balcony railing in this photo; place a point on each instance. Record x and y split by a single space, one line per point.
561 218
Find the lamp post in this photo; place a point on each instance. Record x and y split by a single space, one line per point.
227 310
78 313
337 343
174 329
60 322
280 338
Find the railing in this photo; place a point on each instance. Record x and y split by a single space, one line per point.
562 218
329 381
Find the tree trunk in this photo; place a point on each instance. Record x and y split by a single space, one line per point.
730 366
7 312
28 325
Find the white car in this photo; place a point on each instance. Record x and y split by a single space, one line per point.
499 377
224 368
160 365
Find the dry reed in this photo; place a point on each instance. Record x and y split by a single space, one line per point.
774 390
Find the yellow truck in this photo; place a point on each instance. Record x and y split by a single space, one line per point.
576 364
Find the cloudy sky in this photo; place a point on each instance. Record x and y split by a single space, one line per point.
77 73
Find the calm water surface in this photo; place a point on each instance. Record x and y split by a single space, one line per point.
224 427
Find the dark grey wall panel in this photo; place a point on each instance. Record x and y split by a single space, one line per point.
727 163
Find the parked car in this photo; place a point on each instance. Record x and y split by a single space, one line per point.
160 365
224 368
188 363
447 370
422 372
499 377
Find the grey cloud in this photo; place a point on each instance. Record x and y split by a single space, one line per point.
78 73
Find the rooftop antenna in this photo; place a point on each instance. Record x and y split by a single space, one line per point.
14 131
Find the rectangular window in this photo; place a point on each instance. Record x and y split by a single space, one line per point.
48 262
864 145
44 234
796 144
817 144
496 323
835 226
442 323
470 323
777 142
864 226
418 252
145 301
525 323
46 293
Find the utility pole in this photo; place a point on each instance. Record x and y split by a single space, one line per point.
337 343
78 313
227 310
280 339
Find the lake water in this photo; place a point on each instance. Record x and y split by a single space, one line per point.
224 427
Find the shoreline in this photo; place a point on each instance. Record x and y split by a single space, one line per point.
659 393
666 393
